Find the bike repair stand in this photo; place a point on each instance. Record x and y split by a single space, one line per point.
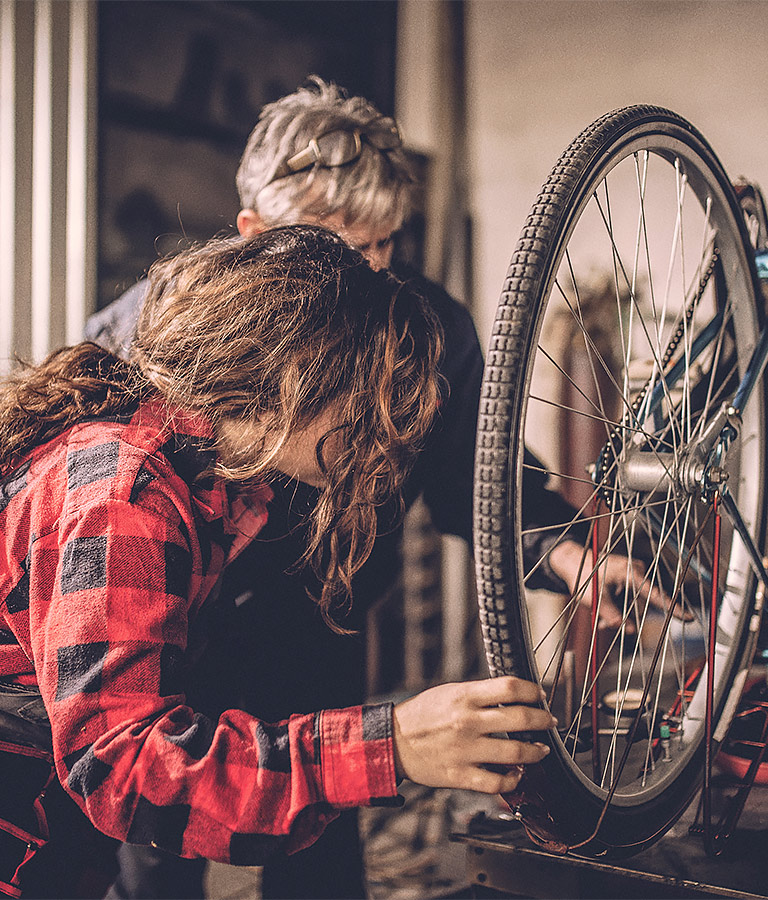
747 739
503 862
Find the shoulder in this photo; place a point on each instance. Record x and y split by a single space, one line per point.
88 467
120 459
455 317
451 312
463 357
114 326
104 459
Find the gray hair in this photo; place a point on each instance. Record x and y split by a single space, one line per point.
376 188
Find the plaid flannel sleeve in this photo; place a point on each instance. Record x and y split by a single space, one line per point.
110 595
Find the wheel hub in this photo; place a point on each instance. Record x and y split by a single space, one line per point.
649 472
698 468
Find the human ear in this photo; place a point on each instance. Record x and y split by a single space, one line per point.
250 223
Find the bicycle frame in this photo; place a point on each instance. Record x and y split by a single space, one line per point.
701 470
703 466
722 431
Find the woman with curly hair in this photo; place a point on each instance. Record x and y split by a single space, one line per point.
126 487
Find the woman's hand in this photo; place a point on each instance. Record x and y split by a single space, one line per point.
617 576
447 735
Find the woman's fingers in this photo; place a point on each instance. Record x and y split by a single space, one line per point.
489 782
442 736
505 752
504 689
515 718
510 759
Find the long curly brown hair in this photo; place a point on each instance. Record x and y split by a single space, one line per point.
275 331
73 383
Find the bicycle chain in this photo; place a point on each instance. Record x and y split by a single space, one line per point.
612 446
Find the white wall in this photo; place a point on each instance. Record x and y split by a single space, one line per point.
541 71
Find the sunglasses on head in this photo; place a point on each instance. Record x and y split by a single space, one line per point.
340 146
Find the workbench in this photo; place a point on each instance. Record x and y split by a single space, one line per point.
503 862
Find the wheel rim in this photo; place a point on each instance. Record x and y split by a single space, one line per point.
657 224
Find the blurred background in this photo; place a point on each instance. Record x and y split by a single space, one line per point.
122 123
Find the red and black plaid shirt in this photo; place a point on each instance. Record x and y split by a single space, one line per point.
110 545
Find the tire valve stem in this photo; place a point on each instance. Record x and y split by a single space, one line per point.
664 734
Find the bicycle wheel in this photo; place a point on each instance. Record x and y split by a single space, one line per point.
627 319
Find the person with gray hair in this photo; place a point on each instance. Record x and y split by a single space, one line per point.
318 156
354 177
353 171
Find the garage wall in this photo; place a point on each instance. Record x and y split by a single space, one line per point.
538 72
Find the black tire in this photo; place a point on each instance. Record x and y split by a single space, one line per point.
643 481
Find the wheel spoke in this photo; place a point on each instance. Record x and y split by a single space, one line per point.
626 325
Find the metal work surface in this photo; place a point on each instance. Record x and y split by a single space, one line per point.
502 861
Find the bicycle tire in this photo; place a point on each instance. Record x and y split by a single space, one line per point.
567 802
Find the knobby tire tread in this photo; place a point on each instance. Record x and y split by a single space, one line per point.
503 388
